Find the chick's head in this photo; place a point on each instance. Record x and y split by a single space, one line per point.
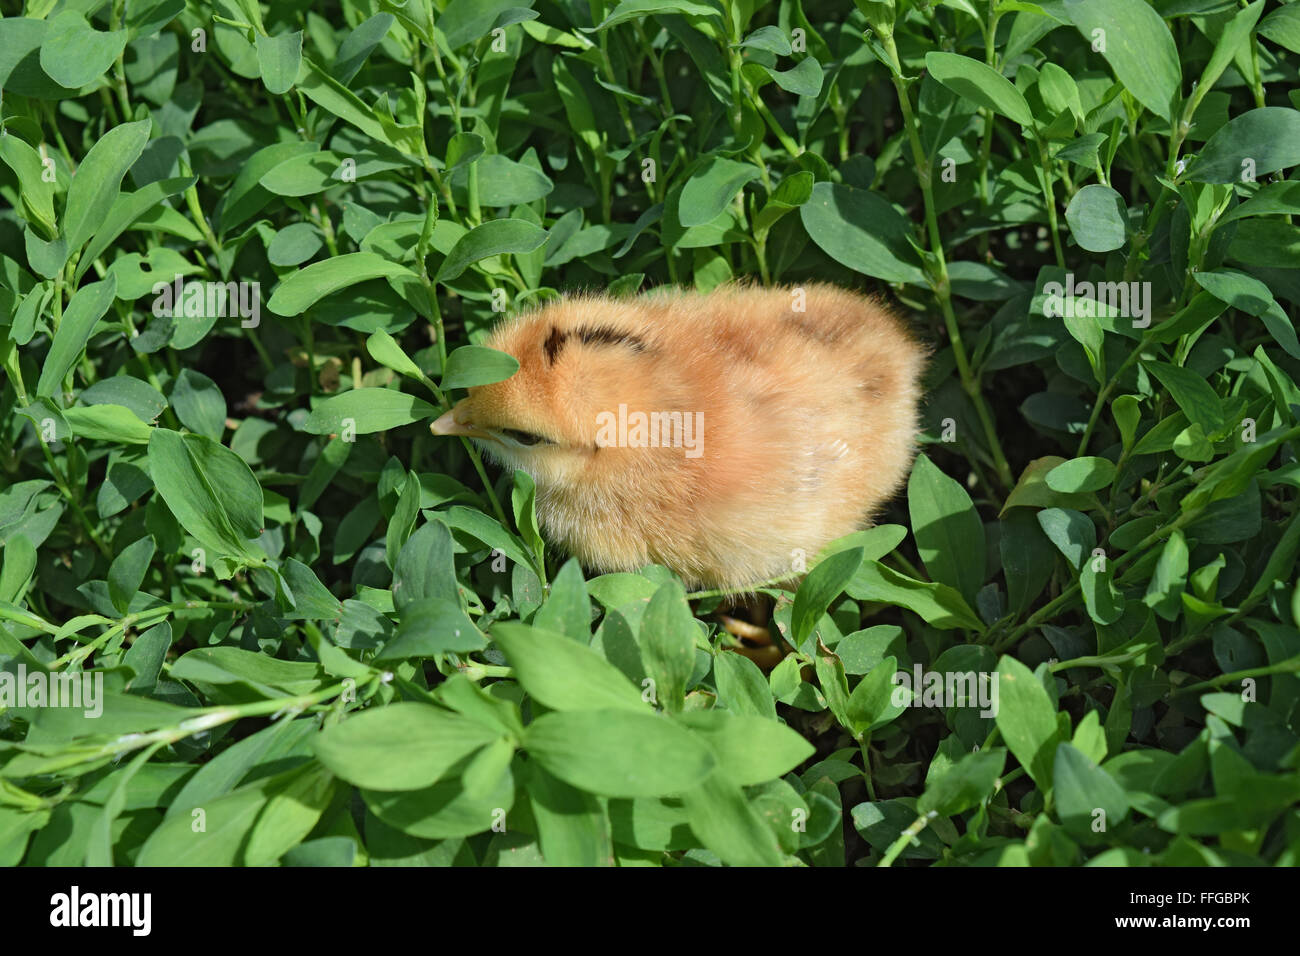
577 359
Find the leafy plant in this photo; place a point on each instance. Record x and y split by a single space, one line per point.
249 252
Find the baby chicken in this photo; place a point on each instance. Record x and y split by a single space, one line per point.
728 436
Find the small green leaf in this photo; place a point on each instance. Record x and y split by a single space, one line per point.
1192 393
563 674
493 238
708 192
279 58
477 365
74 53
861 230
127 572
87 307
618 753
948 531
365 410
1081 475
979 83
1096 218
1138 46
965 784
402 746
1027 719
304 288
823 584
1088 800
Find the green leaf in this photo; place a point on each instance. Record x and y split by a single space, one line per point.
504 182
1247 294
742 689
210 490
1248 146
790 194
402 746
425 568
366 410
567 609
618 753
313 601
563 674
965 784
278 59
979 83
1096 579
74 53
824 584
1081 475
1127 416
301 289
332 96
667 642
749 749
723 819
145 401
872 704
708 193
127 572
472 365
805 78
429 627
1096 218
383 348
1164 592
1193 394
1282 26
36 193
294 244
447 809
572 828
493 238
98 180
636 9
1235 36
213 668
772 39
937 604
199 404
87 307
1027 719
228 819
948 531
290 814
112 423
1138 46
1088 800
861 230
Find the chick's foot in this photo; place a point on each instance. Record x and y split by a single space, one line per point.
755 639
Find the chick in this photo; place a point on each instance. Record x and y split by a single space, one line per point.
728 436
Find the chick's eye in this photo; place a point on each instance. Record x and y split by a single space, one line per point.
523 438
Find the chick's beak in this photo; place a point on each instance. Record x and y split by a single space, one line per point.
456 422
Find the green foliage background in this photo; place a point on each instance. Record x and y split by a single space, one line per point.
326 638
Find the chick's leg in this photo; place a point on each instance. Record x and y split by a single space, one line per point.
755 639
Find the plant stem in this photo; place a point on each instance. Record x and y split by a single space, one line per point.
941 285
906 837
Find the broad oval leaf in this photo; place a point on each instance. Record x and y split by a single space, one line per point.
402 746
366 410
493 238
619 753
304 288
979 82
860 229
